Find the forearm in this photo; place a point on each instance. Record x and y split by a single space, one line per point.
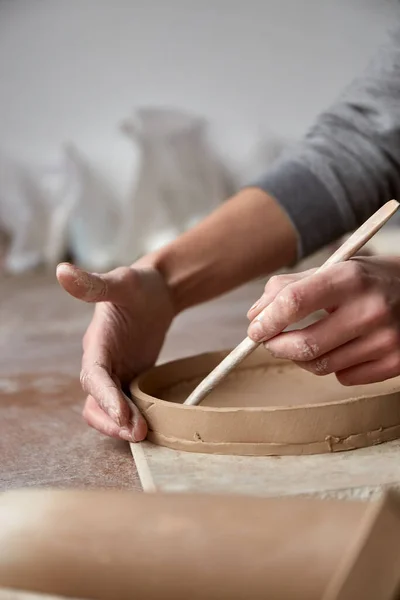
247 237
344 169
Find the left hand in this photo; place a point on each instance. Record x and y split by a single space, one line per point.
133 311
358 340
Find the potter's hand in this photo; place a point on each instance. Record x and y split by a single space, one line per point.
132 314
358 340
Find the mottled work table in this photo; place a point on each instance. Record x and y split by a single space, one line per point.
43 439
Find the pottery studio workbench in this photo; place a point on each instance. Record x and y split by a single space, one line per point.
44 441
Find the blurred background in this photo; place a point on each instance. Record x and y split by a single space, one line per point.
122 123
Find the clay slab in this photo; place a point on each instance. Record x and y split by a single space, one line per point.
23 595
198 546
359 474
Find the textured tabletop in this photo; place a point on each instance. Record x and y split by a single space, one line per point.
43 438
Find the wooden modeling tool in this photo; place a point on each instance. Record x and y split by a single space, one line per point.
350 247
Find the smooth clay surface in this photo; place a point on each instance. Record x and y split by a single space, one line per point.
119 545
271 385
265 406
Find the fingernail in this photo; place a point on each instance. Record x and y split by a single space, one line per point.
139 428
255 305
256 331
64 267
115 415
126 435
268 346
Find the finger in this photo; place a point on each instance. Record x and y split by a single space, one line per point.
80 284
304 297
368 348
138 422
92 287
99 420
105 389
96 381
352 320
371 372
272 288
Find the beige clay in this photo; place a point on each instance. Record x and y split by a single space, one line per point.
9 594
109 545
264 407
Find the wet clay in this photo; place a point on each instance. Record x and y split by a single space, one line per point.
77 544
281 385
266 406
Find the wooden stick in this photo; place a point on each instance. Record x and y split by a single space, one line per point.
350 247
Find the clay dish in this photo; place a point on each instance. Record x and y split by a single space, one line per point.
265 407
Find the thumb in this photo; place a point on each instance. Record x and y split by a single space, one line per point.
93 287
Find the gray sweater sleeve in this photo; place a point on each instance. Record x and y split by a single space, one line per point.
348 164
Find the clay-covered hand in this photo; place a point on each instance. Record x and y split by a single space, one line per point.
132 315
358 339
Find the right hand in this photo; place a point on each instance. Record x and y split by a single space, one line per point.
133 311
358 338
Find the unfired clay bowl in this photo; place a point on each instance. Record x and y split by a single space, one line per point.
265 407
